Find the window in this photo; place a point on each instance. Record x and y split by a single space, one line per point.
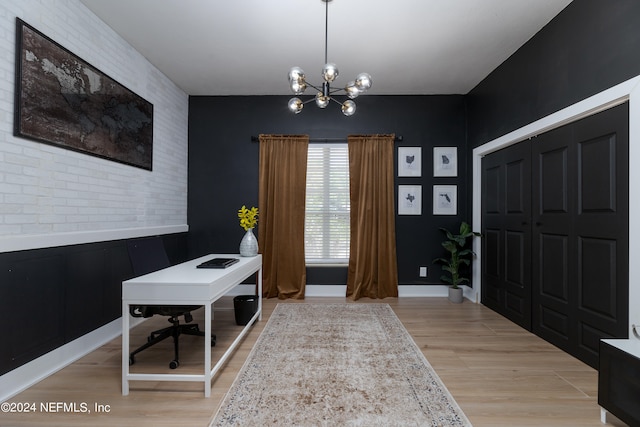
326 231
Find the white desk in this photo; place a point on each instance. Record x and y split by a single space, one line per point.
184 284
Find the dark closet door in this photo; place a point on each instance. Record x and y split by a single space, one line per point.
555 221
602 230
580 219
554 266
506 231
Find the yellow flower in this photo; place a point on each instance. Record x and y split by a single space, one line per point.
248 217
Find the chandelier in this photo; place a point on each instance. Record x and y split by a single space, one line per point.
324 95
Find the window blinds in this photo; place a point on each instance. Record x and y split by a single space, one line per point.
327 204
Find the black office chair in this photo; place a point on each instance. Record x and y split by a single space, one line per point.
148 255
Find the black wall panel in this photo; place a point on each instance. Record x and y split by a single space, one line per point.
51 296
35 290
85 278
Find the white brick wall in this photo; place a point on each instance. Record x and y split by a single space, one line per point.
51 196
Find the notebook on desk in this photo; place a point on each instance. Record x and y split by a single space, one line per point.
218 263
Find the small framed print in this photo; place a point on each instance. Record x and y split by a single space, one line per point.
409 199
445 200
409 161
445 161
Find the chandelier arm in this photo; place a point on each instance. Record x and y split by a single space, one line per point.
331 92
319 89
335 100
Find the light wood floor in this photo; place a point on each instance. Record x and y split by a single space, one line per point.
500 374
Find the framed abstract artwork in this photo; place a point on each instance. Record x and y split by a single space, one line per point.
409 161
64 101
445 161
409 200
445 200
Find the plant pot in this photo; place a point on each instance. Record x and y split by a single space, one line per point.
455 295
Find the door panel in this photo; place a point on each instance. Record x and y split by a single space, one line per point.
515 301
552 171
553 261
554 165
601 230
597 259
597 175
580 213
506 231
491 289
555 325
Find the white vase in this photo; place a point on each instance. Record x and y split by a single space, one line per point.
249 244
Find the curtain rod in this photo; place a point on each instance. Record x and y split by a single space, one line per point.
398 138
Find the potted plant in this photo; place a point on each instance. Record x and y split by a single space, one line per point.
459 254
248 220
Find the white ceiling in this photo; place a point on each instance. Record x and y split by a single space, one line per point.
246 47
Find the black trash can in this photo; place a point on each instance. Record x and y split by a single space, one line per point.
245 306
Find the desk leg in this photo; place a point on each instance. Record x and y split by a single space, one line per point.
260 292
125 348
207 349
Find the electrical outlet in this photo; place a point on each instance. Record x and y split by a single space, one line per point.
423 271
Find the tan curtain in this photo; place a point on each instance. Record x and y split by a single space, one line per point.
373 270
283 180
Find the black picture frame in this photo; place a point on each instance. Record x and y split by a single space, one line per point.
62 100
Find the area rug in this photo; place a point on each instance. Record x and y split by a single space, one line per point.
337 365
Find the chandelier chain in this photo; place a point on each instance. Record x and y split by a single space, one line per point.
326 31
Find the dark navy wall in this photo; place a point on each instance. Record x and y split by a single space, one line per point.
590 46
223 166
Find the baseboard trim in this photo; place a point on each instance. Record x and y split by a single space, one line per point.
404 291
31 373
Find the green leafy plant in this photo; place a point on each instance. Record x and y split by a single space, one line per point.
459 254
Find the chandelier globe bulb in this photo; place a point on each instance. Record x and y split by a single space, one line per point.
321 100
298 87
296 75
295 105
348 108
363 82
351 90
330 72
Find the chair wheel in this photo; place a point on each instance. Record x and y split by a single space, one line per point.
174 364
131 360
